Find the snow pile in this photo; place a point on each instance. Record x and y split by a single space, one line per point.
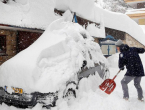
135 11
142 56
91 11
113 60
97 31
91 98
58 54
113 5
55 57
85 8
28 13
143 27
38 14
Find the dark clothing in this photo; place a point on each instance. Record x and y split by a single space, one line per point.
129 57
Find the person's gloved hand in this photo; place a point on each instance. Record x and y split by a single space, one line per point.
122 68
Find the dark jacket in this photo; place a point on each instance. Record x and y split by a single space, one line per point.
129 57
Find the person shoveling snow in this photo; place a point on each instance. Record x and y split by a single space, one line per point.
129 57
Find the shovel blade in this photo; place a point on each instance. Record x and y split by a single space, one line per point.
108 86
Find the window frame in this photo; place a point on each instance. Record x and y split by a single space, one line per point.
3 45
108 49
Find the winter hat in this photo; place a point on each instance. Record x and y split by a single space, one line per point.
118 43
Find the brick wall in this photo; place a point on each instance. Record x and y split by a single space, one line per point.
10 45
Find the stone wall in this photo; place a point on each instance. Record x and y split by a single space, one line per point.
10 45
129 40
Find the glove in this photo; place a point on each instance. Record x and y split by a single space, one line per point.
122 68
144 50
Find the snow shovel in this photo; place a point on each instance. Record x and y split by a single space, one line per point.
109 85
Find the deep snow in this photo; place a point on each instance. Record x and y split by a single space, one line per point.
38 14
35 59
28 13
93 98
55 57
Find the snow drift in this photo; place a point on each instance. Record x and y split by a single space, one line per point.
91 11
38 14
54 58
28 13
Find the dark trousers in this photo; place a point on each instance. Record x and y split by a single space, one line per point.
137 81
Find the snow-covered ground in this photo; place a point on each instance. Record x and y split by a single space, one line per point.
92 99
63 40
89 96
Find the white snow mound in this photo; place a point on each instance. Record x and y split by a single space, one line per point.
53 59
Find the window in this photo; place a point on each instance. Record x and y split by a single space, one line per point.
108 46
141 21
108 50
112 49
104 49
140 5
2 45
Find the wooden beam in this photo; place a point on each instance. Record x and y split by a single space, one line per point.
20 29
81 21
127 1
136 15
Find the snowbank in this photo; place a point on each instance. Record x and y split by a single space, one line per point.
97 31
93 12
39 65
91 98
113 60
38 14
55 57
28 13
135 11
143 27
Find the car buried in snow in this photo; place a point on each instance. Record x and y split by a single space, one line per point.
52 68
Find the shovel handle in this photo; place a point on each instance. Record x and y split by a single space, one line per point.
116 75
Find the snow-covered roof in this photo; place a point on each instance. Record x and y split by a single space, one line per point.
28 13
143 27
112 20
135 11
21 28
36 14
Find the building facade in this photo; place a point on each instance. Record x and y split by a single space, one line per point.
138 15
138 11
15 39
107 47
